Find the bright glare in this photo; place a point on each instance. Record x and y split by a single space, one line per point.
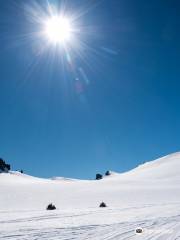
58 29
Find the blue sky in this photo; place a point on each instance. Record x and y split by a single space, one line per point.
126 114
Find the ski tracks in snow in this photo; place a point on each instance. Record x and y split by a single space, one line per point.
41 228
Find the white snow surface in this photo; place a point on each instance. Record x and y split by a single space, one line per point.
147 197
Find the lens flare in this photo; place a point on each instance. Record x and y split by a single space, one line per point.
60 33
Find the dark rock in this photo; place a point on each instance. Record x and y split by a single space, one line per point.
102 205
99 176
108 173
51 207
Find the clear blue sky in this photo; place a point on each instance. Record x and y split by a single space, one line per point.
127 113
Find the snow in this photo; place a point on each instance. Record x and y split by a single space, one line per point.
63 179
147 197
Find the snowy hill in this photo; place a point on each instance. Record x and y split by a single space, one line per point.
148 195
167 167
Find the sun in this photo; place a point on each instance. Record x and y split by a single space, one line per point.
58 29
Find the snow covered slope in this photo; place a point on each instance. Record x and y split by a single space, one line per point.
165 168
147 196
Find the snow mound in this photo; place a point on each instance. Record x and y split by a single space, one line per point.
63 179
167 167
15 176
